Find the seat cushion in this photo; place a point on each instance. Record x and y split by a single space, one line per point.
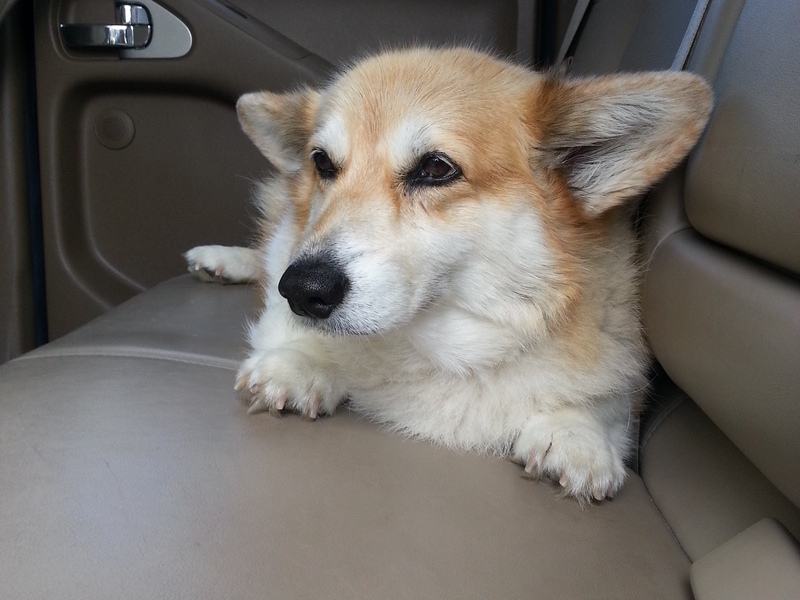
727 330
179 319
707 490
762 562
130 471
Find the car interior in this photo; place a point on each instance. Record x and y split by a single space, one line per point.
129 467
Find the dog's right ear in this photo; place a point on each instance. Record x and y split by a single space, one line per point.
279 125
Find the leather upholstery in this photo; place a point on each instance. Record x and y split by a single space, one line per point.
133 476
762 562
728 332
131 470
176 320
604 35
707 490
658 34
742 185
631 35
724 325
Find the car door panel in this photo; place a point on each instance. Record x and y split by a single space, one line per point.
142 159
17 328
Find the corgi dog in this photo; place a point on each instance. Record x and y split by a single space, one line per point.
446 243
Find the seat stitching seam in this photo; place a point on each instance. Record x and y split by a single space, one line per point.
220 364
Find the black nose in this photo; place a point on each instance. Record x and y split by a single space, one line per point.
313 287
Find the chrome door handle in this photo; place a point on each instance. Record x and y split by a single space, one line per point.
132 30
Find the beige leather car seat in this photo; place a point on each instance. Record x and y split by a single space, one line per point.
129 469
721 295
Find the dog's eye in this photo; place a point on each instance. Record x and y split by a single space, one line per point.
323 164
434 169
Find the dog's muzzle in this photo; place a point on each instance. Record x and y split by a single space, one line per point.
314 287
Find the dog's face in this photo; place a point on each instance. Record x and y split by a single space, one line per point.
428 176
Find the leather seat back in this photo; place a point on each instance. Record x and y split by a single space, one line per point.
721 297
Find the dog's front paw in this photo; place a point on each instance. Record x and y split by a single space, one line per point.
577 453
286 378
223 264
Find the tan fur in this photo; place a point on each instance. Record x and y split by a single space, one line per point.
496 311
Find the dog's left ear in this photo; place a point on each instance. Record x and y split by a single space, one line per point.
279 125
613 137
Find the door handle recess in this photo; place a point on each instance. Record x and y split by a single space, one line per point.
132 30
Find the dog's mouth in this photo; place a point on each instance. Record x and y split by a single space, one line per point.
337 327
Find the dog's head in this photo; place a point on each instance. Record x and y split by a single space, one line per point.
422 176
